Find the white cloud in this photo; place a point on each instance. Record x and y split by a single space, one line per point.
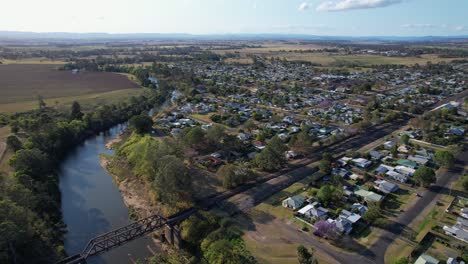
343 5
461 28
304 6
412 26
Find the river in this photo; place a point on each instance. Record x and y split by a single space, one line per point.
92 204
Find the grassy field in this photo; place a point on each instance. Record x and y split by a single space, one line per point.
87 101
363 60
33 61
21 84
25 82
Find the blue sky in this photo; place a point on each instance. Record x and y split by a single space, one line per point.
315 17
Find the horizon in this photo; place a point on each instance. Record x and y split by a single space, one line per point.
98 35
350 18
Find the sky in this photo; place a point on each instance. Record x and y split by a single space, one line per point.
313 17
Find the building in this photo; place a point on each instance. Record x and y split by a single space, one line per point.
369 196
359 208
405 171
387 187
350 217
294 202
418 159
407 163
314 210
397 176
362 163
389 144
376 155
426 259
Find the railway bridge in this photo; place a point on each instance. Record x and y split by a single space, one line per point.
134 230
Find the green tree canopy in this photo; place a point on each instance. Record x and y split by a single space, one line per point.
329 194
32 162
424 176
141 123
13 143
444 158
405 139
76 111
194 137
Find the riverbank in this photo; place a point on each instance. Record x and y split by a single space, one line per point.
135 193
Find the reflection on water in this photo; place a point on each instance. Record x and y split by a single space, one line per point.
92 204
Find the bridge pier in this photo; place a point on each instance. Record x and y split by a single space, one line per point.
172 235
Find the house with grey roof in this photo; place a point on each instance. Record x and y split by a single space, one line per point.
386 187
294 202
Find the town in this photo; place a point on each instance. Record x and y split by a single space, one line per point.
309 143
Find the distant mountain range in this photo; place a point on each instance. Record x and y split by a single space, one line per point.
19 35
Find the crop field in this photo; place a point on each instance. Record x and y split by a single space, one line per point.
21 83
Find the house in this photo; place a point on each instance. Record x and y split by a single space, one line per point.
418 159
359 208
386 187
404 149
290 154
457 232
294 202
464 213
369 196
288 119
397 176
426 259
457 131
349 216
405 170
408 163
389 144
341 172
259 144
376 155
362 163
243 136
342 225
383 169
206 126
355 176
314 210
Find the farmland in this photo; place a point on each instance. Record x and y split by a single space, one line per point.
19 93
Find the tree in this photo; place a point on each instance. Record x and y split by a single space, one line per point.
250 125
444 158
76 111
325 166
303 141
41 103
394 151
304 256
325 229
13 143
329 194
424 176
32 162
372 214
405 139
465 182
215 135
141 123
172 181
194 137
233 175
